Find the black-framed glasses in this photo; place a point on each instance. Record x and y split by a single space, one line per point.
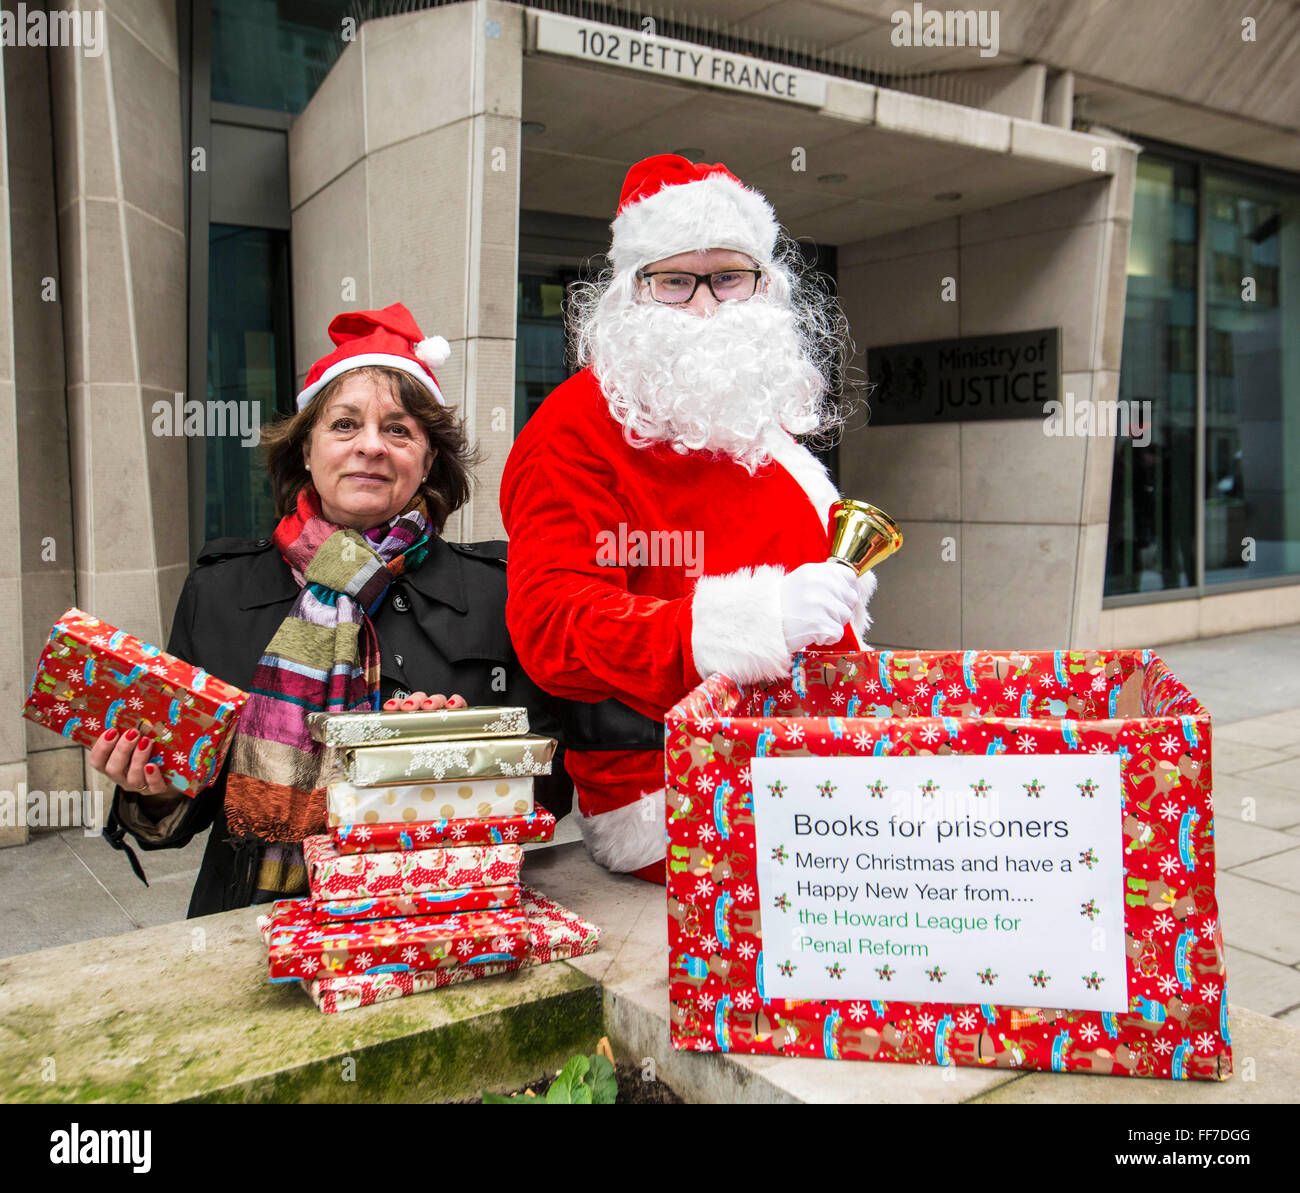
675 286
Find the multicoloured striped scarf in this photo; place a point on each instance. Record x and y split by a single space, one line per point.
324 657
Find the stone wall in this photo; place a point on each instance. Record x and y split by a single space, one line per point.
1016 502
404 185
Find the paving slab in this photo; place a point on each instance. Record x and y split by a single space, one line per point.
1266 1070
1283 772
1278 869
1270 733
1238 842
1259 918
1238 758
171 873
1240 676
1267 805
1263 985
48 897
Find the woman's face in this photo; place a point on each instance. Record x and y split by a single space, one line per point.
366 454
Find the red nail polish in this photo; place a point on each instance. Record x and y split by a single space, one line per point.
111 735
150 769
131 735
145 743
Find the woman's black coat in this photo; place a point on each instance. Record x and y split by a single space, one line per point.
441 628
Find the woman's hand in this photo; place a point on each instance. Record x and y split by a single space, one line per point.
420 702
124 758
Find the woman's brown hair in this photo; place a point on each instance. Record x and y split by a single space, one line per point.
445 489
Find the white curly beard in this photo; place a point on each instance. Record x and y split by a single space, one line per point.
719 382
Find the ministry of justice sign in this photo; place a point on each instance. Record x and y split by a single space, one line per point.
975 377
900 877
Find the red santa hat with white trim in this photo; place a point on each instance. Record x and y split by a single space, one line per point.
670 205
390 338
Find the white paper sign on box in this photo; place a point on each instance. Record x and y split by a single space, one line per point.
992 879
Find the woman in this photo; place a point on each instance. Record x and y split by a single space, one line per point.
354 601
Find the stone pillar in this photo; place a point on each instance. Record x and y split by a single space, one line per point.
119 191
13 761
404 185
1028 514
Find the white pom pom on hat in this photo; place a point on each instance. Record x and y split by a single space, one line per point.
434 351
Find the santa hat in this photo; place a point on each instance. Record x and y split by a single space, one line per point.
670 205
390 338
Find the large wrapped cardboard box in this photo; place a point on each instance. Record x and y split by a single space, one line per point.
989 858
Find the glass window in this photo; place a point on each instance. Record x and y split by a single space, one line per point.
1252 382
249 360
540 351
1152 541
274 53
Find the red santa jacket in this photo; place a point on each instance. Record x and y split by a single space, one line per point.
634 572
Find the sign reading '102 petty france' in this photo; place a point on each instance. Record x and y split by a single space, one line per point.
900 878
976 377
681 60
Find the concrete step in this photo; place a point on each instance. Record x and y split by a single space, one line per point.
632 966
184 1012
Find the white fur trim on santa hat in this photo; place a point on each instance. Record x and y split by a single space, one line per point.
627 838
736 625
710 213
434 351
361 361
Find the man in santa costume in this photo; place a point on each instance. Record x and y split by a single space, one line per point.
705 351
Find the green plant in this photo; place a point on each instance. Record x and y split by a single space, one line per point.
585 1080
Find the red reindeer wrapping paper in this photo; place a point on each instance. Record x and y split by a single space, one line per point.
1118 714
429 834
554 933
92 677
300 949
390 907
334 875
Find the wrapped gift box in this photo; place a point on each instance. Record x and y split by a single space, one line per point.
748 973
346 803
429 834
428 903
368 727
335 875
477 758
554 933
92 677
301 949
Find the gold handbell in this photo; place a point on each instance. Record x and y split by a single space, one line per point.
861 535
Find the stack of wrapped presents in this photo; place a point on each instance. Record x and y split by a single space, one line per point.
416 885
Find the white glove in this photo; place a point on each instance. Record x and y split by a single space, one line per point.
817 601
